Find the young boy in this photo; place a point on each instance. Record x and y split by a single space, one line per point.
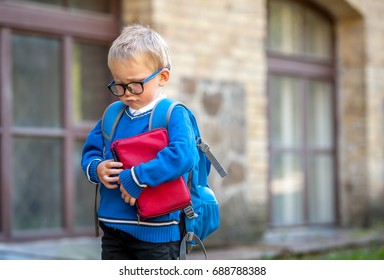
139 61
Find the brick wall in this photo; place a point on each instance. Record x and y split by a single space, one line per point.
360 65
373 11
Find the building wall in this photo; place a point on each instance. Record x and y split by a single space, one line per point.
219 70
359 31
372 11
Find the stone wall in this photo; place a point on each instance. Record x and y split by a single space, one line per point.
352 128
373 11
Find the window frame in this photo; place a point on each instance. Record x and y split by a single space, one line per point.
304 68
69 25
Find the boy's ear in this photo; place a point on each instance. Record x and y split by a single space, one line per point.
164 76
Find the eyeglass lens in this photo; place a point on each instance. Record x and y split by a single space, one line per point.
134 88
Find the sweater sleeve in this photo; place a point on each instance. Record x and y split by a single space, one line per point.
92 153
172 162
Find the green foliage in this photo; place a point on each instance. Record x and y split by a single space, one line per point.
373 251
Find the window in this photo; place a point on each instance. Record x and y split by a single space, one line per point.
36 81
296 30
301 113
53 80
88 5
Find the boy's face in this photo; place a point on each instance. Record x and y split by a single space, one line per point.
125 72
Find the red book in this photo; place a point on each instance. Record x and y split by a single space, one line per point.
157 200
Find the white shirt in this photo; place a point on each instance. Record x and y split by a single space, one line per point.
147 107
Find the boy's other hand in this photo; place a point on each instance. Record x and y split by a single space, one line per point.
126 196
108 171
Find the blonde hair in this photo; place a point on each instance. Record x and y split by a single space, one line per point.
137 41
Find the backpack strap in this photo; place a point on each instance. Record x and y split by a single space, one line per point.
204 147
162 113
189 237
110 119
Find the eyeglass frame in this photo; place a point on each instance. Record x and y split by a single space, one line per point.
125 86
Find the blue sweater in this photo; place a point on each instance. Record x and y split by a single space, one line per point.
172 162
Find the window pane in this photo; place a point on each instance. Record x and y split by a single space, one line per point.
285 27
51 2
318 37
85 192
285 104
91 5
320 115
37 177
294 29
102 6
1 192
1 98
320 188
90 79
287 179
36 81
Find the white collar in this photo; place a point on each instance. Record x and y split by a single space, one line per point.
146 108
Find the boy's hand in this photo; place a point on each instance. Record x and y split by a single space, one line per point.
126 196
108 171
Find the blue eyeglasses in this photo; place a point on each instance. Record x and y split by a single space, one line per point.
133 87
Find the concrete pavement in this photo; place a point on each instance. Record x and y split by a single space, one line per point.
274 243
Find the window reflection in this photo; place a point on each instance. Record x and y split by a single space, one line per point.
285 27
51 2
286 112
318 36
294 29
37 177
36 81
321 200
320 115
102 6
91 5
287 185
90 76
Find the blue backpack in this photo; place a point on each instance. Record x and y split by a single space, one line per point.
203 216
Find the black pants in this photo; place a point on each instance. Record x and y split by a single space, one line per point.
119 245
